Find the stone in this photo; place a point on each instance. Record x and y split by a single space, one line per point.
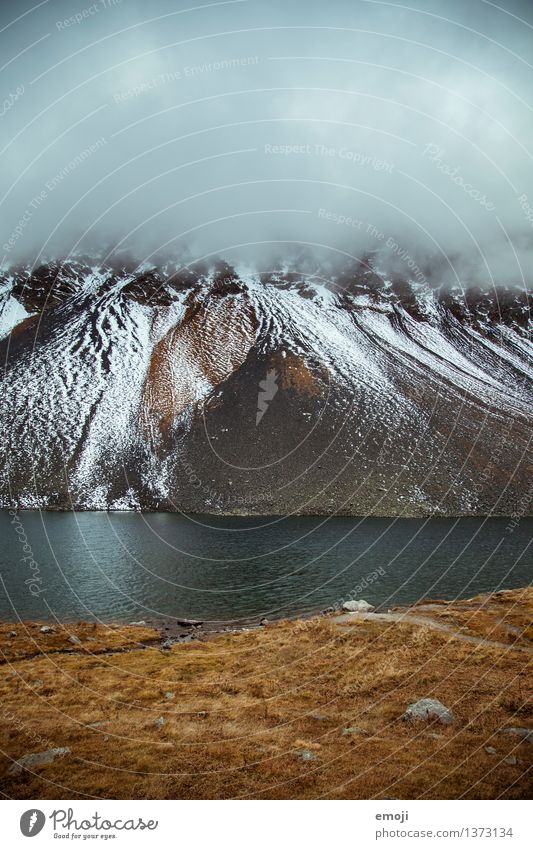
100 724
429 709
490 750
190 623
264 621
74 639
11 634
36 759
140 622
319 717
46 629
511 760
360 606
525 733
169 695
159 722
306 755
352 729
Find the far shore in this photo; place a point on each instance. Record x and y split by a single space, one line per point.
250 513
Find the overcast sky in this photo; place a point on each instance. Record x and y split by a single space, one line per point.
240 127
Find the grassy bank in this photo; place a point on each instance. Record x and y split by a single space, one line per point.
303 709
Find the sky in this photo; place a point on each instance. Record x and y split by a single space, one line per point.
249 128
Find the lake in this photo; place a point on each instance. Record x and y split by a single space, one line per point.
130 566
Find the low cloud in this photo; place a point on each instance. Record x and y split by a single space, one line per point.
246 128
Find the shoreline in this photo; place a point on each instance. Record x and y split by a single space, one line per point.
408 516
175 631
181 629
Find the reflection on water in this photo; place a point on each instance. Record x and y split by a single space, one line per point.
122 566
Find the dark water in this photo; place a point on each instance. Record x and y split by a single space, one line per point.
122 566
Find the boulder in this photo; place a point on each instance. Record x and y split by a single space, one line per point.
159 722
525 733
46 629
306 755
429 709
360 606
74 639
36 759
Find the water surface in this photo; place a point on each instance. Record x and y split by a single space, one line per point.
128 566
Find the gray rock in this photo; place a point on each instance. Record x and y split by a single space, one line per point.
36 759
429 709
360 606
159 722
74 639
11 634
490 750
352 729
46 629
190 623
306 755
169 695
264 621
100 724
525 733
140 622
319 717
511 760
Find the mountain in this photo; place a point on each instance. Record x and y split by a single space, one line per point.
307 389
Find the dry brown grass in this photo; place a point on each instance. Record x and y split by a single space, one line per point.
245 705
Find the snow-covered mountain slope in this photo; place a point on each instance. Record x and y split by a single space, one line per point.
127 388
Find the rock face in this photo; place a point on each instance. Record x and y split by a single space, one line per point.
427 709
203 390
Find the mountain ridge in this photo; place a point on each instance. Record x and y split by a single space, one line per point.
137 387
